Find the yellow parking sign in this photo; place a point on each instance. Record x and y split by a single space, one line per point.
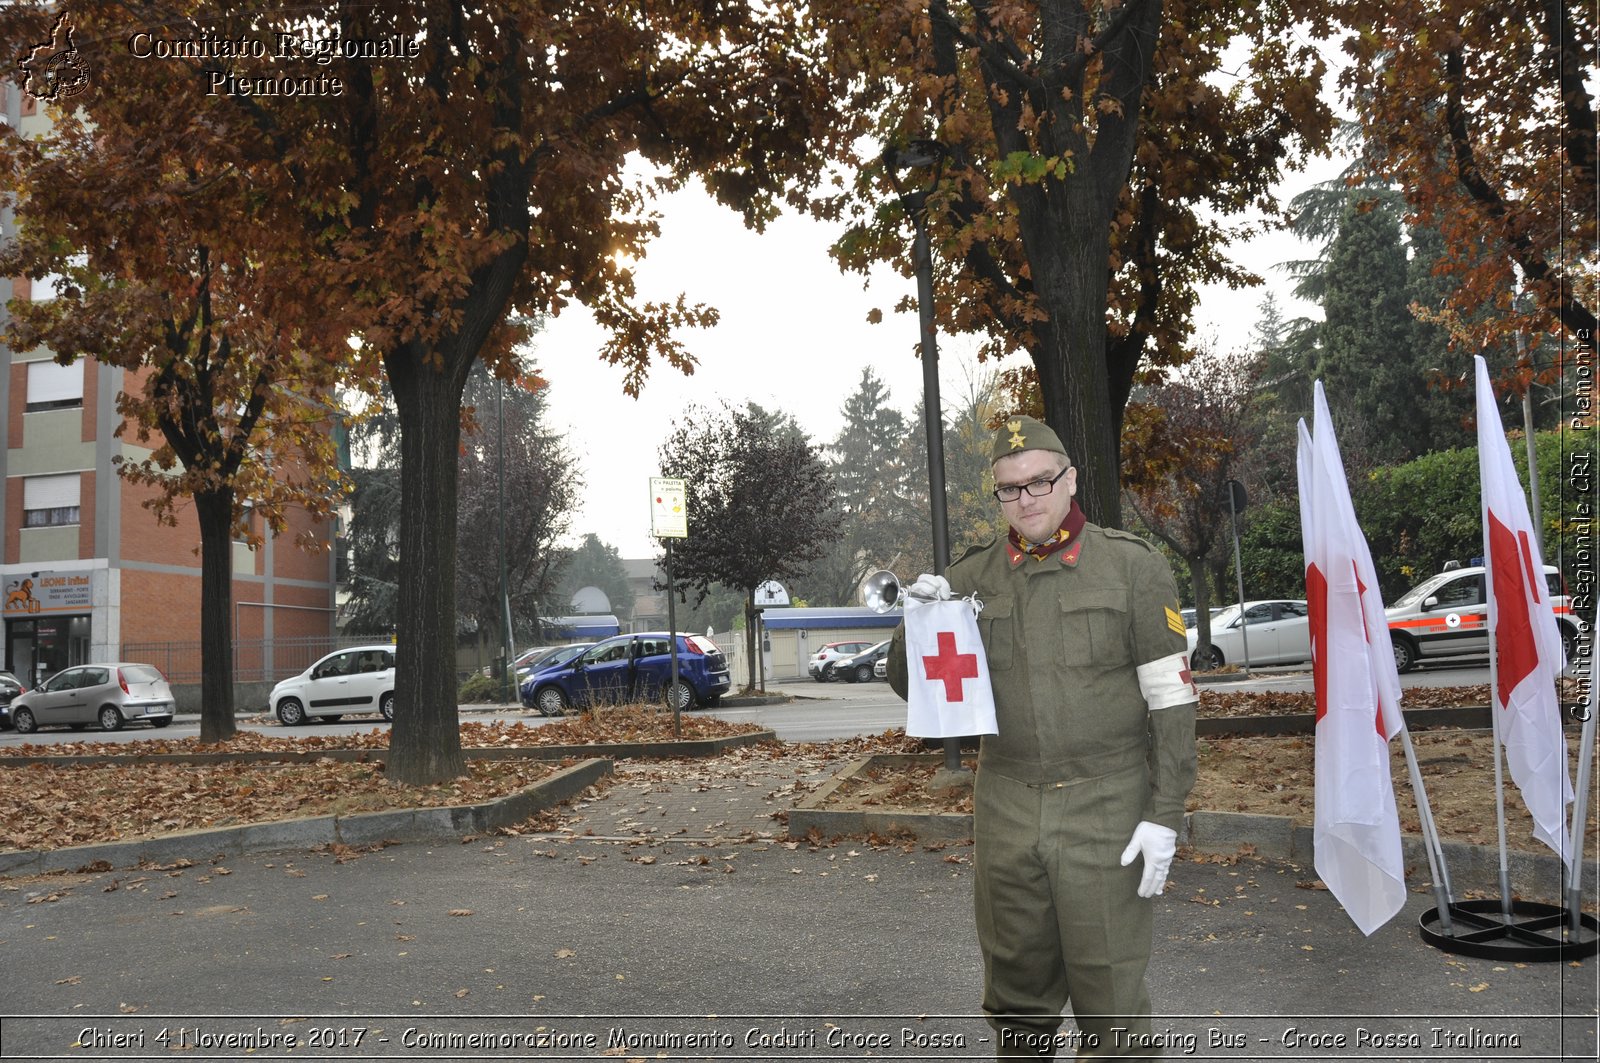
669 508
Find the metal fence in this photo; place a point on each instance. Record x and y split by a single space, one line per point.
254 660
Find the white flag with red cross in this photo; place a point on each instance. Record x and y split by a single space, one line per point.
1356 833
1527 643
947 672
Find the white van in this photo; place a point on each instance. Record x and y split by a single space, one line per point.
1448 615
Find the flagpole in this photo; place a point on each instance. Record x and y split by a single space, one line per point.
1580 816
1430 835
1494 727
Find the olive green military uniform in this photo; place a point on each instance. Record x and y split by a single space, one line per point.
1079 761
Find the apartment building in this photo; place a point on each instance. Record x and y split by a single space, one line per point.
85 567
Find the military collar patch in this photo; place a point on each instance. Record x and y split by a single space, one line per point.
1069 556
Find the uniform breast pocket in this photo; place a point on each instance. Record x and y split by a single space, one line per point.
1094 629
997 627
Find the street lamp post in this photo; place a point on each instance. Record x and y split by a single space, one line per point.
929 156
507 675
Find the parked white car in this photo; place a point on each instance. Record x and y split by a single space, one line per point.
356 679
821 664
1278 630
108 694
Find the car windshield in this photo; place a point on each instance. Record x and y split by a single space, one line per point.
1226 617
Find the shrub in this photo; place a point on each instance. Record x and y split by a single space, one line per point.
481 688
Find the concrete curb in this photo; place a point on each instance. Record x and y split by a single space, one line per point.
699 747
1304 723
1471 867
366 828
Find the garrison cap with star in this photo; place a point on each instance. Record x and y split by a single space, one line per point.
1025 433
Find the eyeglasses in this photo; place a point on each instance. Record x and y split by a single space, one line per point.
1036 488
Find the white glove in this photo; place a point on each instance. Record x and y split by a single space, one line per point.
930 588
1159 845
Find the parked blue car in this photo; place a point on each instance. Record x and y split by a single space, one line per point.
628 668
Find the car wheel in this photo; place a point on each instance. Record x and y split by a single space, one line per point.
1206 658
551 701
24 722
110 718
1569 642
1405 654
864 674
680 696
161 722
291 713
386 706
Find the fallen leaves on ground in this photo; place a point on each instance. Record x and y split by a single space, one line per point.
1291 702
1276 776
624 724
49 806
45 806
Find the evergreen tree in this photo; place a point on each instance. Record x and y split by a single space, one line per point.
864 461
1367 363
1447 403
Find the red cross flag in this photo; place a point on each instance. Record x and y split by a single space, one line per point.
1356 832
947 671
1530 657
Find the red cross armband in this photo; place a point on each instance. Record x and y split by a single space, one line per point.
1167 682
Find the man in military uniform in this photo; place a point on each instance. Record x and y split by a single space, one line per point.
1078 798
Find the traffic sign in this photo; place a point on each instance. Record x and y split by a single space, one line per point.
669 508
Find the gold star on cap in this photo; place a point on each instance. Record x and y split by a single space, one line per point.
1017 441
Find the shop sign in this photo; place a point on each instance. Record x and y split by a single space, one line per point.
30 593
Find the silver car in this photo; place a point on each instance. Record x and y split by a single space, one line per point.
108 694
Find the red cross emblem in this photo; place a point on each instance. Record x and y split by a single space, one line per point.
950 667
1186 676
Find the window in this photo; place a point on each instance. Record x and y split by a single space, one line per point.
1292 610
608 651
64 681
1258 614
337 665
1462 592
52 386
50 501
652 647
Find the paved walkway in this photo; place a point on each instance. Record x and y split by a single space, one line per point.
667 916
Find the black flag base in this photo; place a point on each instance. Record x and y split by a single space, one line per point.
1533 933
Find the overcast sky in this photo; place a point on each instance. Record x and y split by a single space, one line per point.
793 336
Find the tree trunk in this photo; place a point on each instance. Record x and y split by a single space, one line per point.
750 635
1202 601
215 512
1071 361
425 739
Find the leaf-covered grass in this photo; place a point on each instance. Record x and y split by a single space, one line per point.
48 806
623 724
